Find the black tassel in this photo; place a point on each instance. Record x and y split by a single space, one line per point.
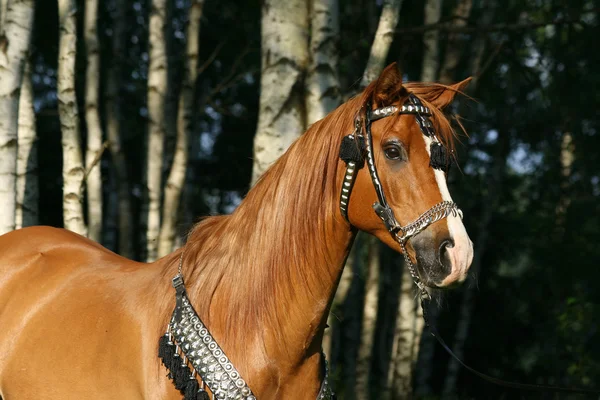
182 377
202 395
439 157
166 350
351 150
191 389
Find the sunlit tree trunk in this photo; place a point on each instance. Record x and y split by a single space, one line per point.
120 201
322 96
338 300
15 34
567 157
73 171
92 119
369 319
157 91
176 180
433 12
390 14
455 46
27 174
400 371
284 59
322 83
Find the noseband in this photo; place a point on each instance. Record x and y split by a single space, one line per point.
359 145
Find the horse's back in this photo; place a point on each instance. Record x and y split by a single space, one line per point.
66 313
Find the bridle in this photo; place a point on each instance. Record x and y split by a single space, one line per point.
358 146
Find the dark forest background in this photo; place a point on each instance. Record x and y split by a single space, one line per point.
528 179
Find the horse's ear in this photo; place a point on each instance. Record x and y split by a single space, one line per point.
446 95
388 87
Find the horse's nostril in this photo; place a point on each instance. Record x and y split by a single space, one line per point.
443 251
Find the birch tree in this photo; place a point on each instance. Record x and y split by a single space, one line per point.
176 180
15 36
369 319
157 91
92 119
284 58
400 371
27 175
454 50
322 83
73 171
390 14
433 12
409 322
120 200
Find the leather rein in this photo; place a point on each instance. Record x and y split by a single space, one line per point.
357 147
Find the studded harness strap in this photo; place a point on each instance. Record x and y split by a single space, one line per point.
359 145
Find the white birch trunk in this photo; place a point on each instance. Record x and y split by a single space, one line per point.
73 171
121 201
176 180
400 371
92 119
369 319
284 60
27 175
390 14
14 44
454 49
3 9
322 83
338 300
157 91
433 12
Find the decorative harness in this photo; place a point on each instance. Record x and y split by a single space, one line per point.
358 145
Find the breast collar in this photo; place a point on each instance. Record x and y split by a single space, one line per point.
188 348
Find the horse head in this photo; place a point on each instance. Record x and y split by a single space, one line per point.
406 143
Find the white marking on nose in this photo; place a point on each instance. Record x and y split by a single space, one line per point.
461 255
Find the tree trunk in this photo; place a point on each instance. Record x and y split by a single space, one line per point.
284 60
73 171
176 178
27 175
400 371
433 12
390 14
157 91
121 200
92 119
322 83
338 300
369 319
490 203
15 35
454 47
567 157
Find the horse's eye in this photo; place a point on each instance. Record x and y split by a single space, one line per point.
392 152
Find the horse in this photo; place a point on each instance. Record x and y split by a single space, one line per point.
79 321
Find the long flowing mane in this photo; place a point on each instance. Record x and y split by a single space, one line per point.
259 252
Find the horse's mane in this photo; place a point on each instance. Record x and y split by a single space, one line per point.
276 240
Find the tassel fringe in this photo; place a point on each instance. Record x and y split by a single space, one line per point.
179 371
439 157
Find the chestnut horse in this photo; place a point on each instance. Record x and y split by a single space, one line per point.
79 322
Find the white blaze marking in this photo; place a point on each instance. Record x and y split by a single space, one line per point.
461 254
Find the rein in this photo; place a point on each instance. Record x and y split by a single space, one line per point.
353 150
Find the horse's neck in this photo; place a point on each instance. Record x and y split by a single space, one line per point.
264 277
